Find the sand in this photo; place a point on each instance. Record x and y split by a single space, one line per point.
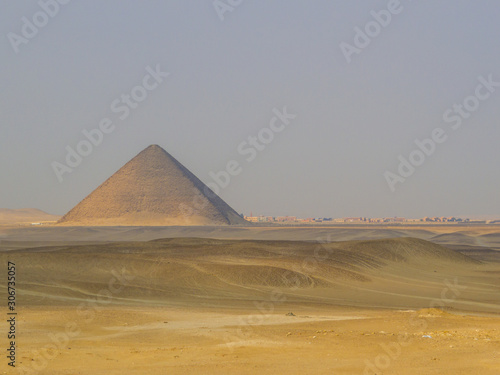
125 300
316 341
26 216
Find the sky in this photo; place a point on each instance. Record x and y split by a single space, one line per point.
353 108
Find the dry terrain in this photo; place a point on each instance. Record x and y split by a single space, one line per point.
256 300
25 216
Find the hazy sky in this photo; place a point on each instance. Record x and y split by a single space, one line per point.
230 68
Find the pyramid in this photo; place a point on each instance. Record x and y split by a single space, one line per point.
152 189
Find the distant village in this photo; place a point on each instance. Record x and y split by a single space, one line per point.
363 220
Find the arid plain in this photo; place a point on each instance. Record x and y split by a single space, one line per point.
256 300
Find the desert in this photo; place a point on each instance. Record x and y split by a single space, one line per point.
228 187
246 300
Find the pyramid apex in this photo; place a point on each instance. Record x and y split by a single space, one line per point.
152 147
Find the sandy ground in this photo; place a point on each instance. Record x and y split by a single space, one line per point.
91 305
478 235
314 341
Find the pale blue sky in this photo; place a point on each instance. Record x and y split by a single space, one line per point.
226 77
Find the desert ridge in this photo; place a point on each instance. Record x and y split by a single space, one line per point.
25 216
208 306
152 189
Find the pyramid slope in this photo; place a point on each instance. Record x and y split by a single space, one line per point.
152 189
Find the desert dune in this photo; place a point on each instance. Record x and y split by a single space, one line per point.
195 305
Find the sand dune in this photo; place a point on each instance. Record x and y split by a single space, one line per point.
25 216
456 237
404 272
190 305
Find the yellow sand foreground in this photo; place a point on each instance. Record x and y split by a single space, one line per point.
204 341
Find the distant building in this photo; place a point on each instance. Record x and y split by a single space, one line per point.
354 219
284 219
259 219
308 220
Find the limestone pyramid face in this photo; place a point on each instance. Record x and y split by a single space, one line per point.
152 189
